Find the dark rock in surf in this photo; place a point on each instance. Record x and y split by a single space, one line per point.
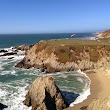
45 95
3 51
10 57
2 106
22 47
8 54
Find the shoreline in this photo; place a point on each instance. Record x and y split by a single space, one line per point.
86 92
98 88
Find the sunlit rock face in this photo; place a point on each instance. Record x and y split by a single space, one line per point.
43 94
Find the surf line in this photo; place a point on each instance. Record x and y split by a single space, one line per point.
86 91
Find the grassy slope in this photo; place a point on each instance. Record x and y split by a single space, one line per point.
70 50
78 42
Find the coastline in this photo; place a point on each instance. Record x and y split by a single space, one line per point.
99 88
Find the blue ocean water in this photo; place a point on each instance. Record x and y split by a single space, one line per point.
8 40
14 82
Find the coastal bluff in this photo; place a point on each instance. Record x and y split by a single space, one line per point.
104 34
67 55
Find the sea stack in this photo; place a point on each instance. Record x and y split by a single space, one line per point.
45 95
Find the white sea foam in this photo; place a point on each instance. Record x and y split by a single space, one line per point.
18 56
80 79
86 91
2 93
16 100
10 72
13 96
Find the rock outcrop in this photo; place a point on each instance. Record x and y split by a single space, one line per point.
45 95
102 35
14 50
3 51
22 47
67 55
2 106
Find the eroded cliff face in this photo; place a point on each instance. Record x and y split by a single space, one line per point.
53 57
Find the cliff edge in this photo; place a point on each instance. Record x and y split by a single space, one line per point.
67 55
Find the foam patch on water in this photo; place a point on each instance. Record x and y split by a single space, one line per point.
13 96
2 93
86 90
1 66
80 79
11 72
16 100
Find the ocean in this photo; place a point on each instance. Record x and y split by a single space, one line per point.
15 82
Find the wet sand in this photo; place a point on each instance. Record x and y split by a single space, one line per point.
99 88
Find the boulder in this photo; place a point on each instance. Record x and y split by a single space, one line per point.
45 95
10 57
22 47
3 51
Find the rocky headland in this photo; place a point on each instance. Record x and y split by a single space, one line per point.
103 35
67 55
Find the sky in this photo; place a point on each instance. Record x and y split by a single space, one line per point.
54 16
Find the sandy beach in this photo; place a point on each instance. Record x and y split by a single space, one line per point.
99 87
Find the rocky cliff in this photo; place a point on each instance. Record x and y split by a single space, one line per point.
45 95
67 55
105 34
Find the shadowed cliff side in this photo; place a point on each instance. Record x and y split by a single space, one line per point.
67 55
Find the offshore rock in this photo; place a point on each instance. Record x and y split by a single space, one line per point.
45 95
